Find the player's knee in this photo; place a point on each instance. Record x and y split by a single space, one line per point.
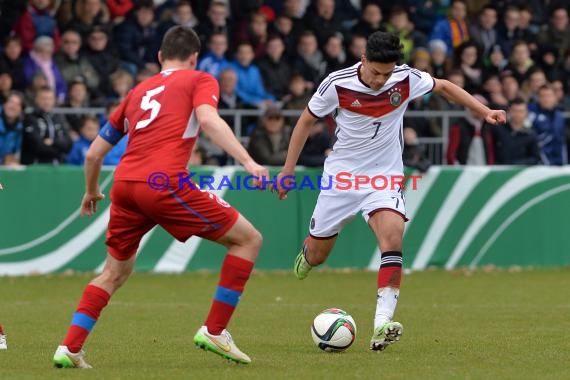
255 239
392 242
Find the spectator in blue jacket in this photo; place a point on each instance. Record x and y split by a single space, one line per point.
214 60
11 128
250 83
454 30
548 123
88 130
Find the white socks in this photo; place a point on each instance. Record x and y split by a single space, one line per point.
385 305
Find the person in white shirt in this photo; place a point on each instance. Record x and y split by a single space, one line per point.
368 101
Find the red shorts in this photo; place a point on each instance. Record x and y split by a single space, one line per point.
136 208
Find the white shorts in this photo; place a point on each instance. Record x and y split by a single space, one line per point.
335 208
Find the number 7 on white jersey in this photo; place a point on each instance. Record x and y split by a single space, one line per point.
152 105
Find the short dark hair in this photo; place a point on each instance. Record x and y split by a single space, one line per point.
143 4
545 87
244 43
517 102
17 94
398 10
86 118
383 47
12 38
217 33
488 7
44 89
180 42
182 3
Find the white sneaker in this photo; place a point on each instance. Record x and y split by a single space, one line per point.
222 345
63 358
3 343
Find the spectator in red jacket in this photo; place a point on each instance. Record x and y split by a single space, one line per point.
470 140
37 21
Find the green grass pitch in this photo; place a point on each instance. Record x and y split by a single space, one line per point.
457 325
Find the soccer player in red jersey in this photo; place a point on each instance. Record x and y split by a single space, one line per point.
162 117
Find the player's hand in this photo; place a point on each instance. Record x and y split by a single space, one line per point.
258 171
283 184
496 117
89 203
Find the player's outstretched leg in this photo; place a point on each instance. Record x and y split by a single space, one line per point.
314 252
302 266
243 242
387 331
95 297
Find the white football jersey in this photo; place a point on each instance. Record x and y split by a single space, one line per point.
369 123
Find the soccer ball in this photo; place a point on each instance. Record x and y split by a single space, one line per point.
333 330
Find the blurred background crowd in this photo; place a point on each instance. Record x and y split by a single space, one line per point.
62 59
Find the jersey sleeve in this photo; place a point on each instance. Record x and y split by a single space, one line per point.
325 100
206 91
420 83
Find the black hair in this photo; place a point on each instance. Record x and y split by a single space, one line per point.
180 42
487 7
20 95
383 47
143 4
86 118
517 101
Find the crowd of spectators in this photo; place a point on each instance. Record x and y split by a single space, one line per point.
270 55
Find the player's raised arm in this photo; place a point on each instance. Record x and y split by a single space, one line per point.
458 95
221 134
296 144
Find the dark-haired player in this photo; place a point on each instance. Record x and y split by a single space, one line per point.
162 117
368 101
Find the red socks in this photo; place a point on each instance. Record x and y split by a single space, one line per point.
233 276
390 272
94 299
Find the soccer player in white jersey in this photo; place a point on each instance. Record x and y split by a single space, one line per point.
368 101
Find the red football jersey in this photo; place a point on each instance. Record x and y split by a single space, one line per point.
159 117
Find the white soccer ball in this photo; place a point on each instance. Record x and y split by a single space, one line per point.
333 330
